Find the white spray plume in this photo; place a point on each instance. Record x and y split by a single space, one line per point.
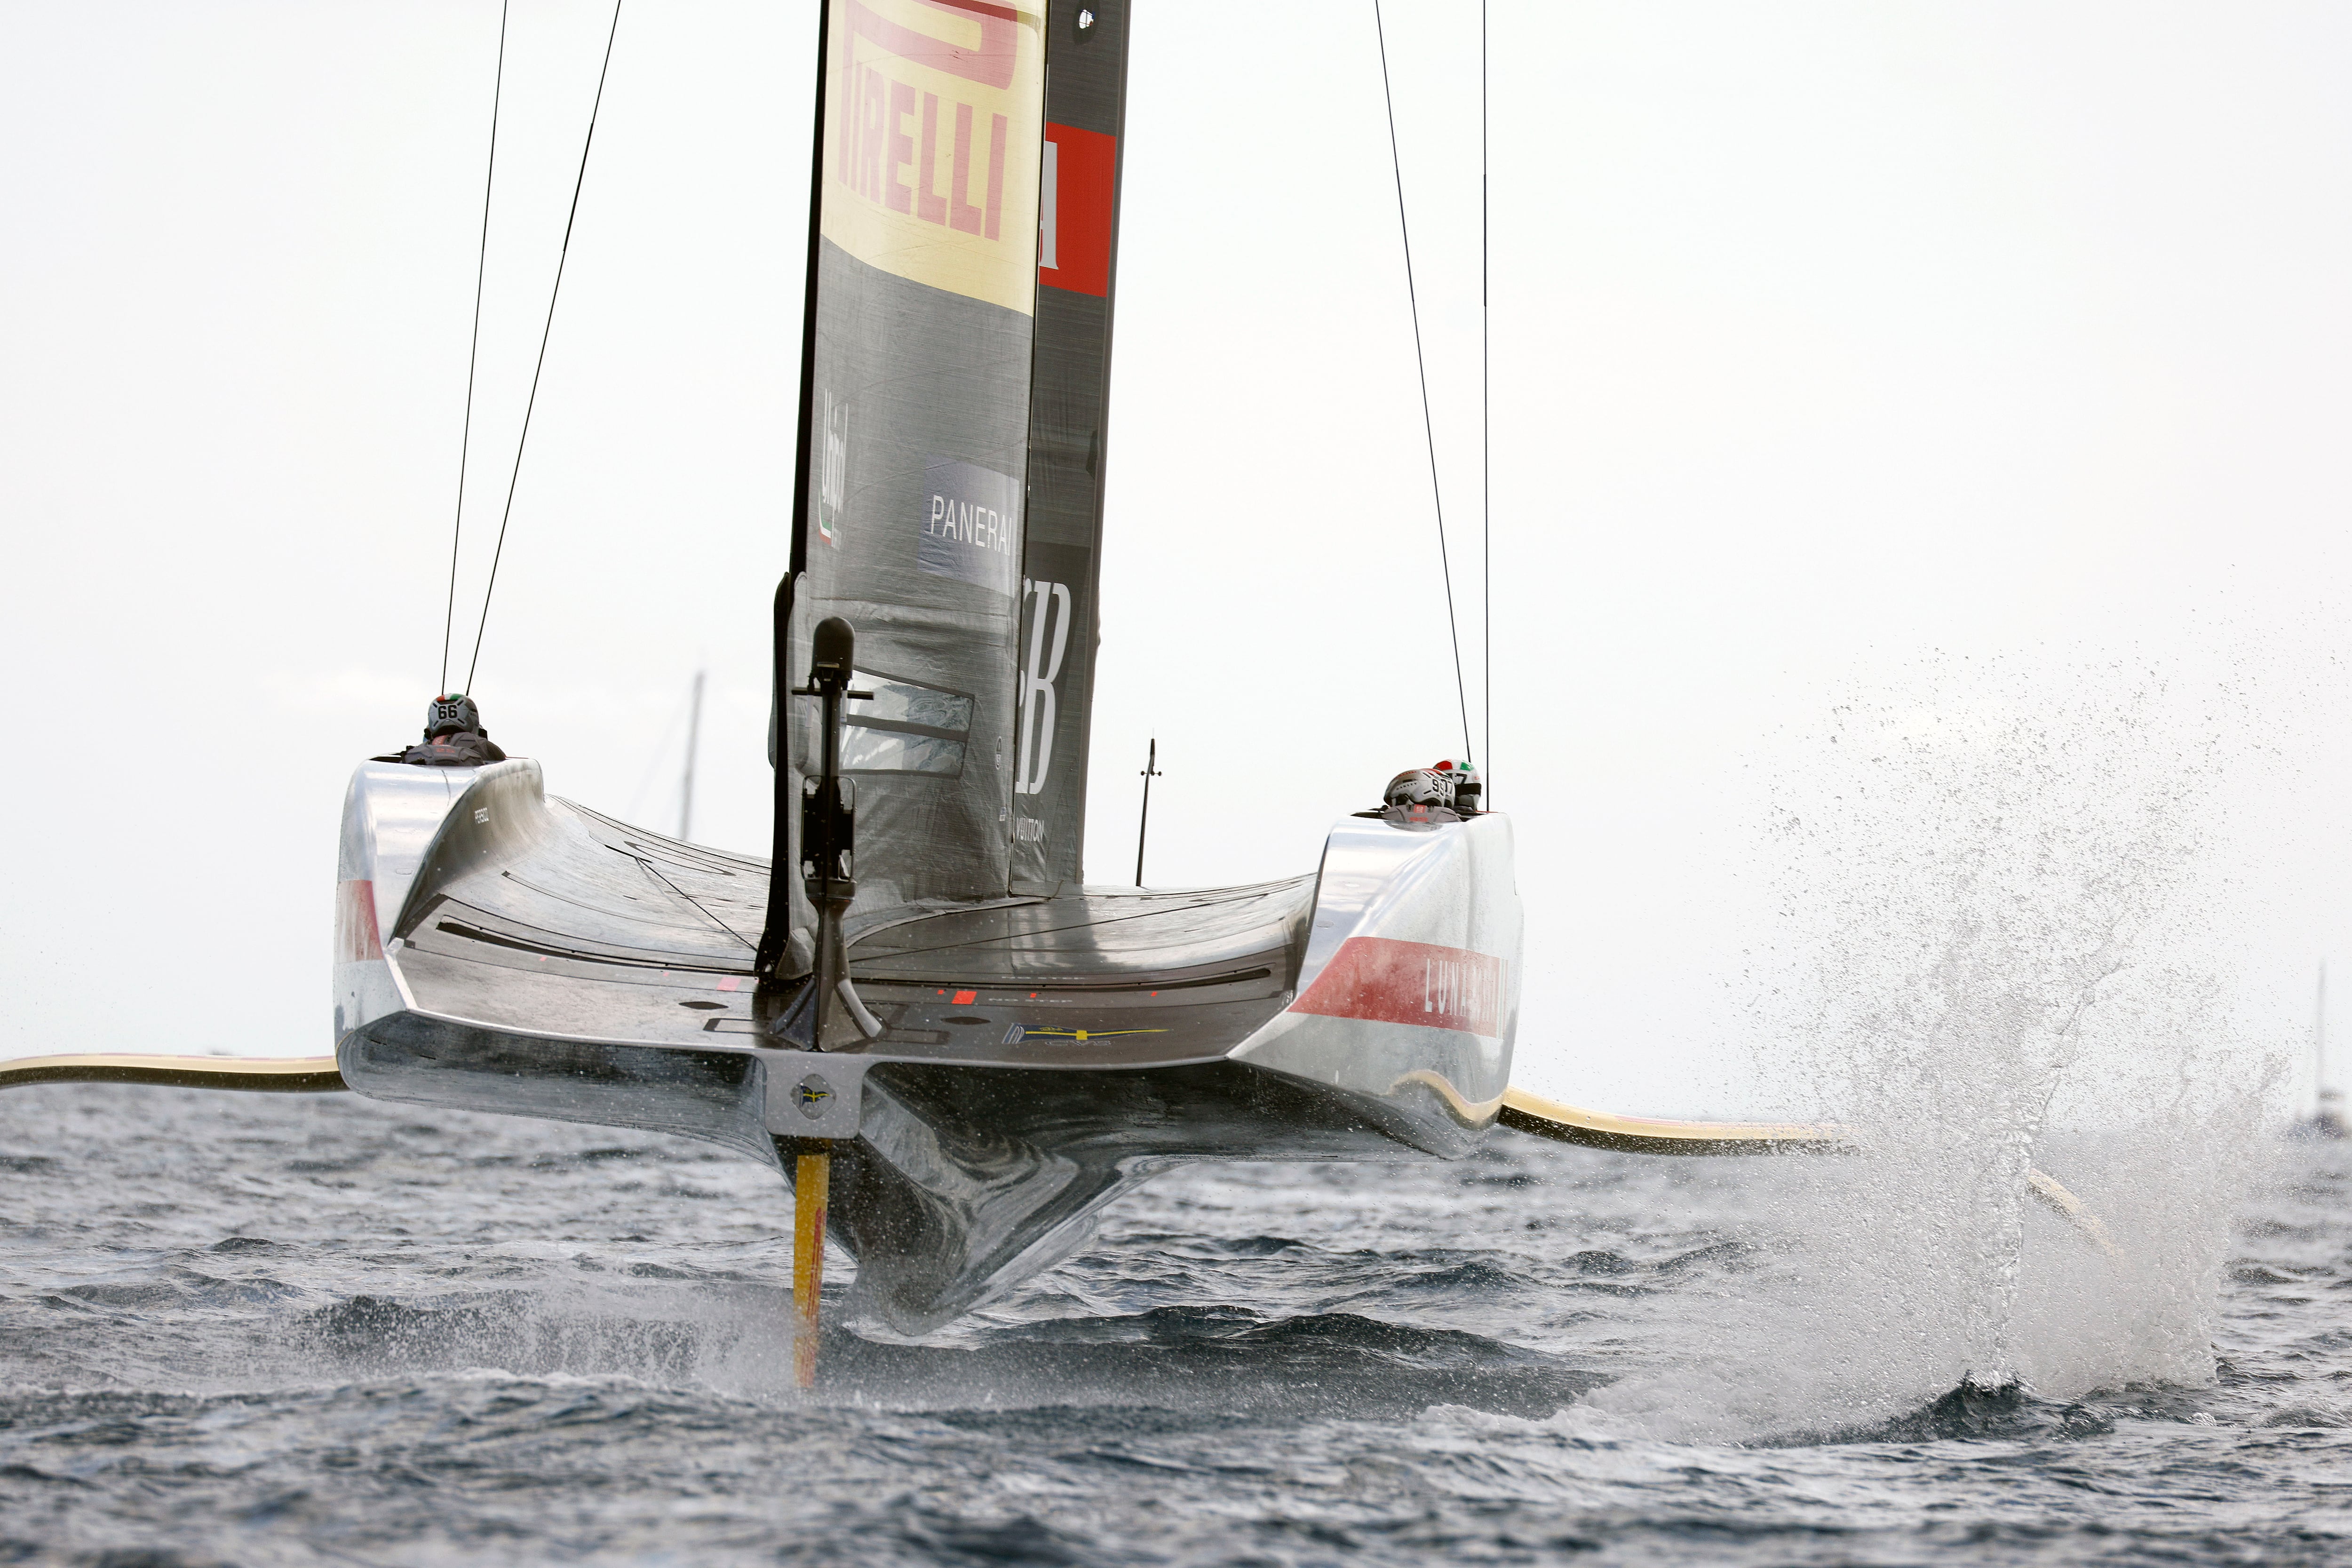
1999 949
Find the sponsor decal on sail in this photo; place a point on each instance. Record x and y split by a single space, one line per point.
970 525
833 472
1390 982
1049 640
933 114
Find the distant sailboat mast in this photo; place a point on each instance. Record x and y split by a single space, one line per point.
693 746
2327 1104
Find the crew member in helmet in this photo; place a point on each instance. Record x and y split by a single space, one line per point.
454 736
1468 790
1418 797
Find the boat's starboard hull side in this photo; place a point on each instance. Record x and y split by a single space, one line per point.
1409 991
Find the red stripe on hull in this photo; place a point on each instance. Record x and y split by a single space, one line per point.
356 931
1390 982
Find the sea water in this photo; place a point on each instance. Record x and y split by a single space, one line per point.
324 1330
328 1330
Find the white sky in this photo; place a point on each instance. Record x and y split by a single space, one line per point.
1832 343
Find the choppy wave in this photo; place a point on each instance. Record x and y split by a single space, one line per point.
484 1340
322 1330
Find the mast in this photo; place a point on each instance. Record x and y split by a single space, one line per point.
775 934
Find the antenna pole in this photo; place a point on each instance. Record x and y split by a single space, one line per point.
1143 825
693 740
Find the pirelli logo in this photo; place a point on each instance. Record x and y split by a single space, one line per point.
934 109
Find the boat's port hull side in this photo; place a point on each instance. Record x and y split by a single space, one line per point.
1038 1055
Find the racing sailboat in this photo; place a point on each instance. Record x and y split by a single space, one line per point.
916 1010
918 989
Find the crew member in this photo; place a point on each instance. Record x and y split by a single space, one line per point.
1469 789
454 737
1418 797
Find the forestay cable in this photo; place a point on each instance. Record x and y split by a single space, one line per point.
544 331
1486 440
1428 426
473 352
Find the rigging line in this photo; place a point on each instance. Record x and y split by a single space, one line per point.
473 354
690 899
544 332
1428 425
1486 443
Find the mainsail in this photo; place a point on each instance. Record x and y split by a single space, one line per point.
954 396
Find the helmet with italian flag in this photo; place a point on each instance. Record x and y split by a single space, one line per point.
1463 776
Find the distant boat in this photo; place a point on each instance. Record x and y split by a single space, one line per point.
2326 1119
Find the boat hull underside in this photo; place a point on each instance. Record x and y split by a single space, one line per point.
960 1180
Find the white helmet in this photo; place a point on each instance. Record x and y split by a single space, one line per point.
1464 777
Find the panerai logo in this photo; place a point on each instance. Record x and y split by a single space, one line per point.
970 525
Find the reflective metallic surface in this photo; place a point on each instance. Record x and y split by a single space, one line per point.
503 951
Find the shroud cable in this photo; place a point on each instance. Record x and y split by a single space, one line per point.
1428 426
473 352
1486 440
562 257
